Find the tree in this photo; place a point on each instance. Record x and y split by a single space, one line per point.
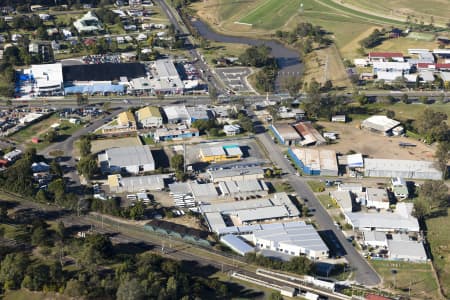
327 86
435 193
57 187
51 136
292 84
74 288
431 124
177 162
137 211
442 157
12 270
130 289
405 99
85 146
87 166
390 114
41 196
421 208
55 168
212 91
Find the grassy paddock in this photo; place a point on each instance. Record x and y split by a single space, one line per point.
418 277
439 239
272 14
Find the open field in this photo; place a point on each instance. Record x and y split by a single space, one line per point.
40 129
439 238
418 277
272 14
368 143
404 111
421 10
217 50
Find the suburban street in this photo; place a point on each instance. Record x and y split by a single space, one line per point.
364 273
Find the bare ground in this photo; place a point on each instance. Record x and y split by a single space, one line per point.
375 145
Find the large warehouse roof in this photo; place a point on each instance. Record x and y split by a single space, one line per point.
380 123
103 72
415 169
128 156
47 74
286 131
298 234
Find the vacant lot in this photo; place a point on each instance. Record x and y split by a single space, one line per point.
100 145
40 129
374 145
418 277
439 238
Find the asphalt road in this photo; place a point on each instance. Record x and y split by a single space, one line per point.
68 163
364 273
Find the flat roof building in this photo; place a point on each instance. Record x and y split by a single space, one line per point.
46 79
414 169
314 161
243 189
119 184
294 239
407 251
236 244
377 198
285 134
214 154
166 78
176 114
236 174
134 160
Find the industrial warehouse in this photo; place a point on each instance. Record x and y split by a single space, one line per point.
161 77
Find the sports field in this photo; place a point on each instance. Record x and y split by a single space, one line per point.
272 13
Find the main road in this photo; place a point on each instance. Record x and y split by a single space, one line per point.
364 273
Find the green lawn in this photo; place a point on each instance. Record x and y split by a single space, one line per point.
272 14
283 187
327 202
439 238
417 276
316 186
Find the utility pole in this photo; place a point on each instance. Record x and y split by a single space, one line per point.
184 157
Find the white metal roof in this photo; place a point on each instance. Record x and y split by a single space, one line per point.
236 244
129 156
380 123
407 250
47 74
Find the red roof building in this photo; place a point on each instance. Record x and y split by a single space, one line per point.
385 56
376 297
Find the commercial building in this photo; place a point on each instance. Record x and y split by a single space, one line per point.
119 184
236 244
407 251
285 134
236 174
42 80
166 79
243 189
385 56
198 113
344 199
400 220
134 160
414 169
190 193
221 215
375 239
310 135
180 133
213 154
149 116
176 114
401 67
314 161
88 23
377 198
382 124
296 239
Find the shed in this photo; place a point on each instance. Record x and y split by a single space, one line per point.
236 244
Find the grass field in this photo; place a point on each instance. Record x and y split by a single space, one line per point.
439 238
421 36
272 13
417 276
422 10
26 295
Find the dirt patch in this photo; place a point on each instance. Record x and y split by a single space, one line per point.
349 50
374 145
187 221
326 60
